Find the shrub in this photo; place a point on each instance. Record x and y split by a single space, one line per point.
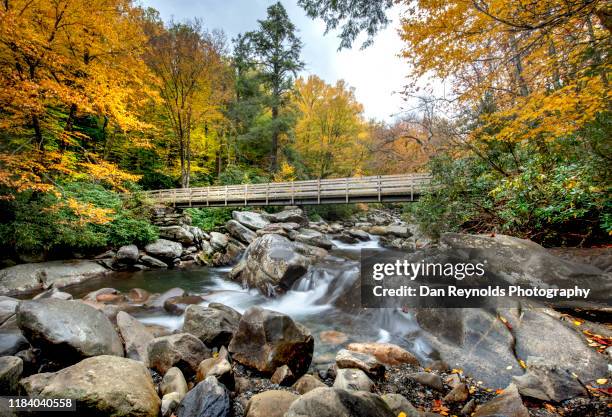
208 219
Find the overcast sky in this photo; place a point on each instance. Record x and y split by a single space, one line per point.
377 73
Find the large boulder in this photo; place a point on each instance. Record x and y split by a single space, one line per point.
11 368
27 278
127 254
240 232
8 305
173 381
537 334
289 215
266 340
274 403
135 336
165 249
474 340
208 399
68 330
312 237
521 261
307 383
218 241
103 385
183 350
219 367
250 219
335 402
214 325
272 263
399 404
177 234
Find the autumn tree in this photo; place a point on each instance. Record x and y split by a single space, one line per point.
60 59
330 134
275 50
192 77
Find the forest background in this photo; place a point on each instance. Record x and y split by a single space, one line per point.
101 98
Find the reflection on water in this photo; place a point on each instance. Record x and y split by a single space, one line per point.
312 301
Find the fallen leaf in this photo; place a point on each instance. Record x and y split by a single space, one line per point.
602 381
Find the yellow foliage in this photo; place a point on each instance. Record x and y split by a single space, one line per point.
331 135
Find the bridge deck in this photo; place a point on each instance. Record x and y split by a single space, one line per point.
383 188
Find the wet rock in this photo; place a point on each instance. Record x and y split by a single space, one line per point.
429 380
240 232
386 353
332 337
219 367
469 408
182 350
135 336
346 238
274 403
138 295
174 381
218 241
54 293
393 230
270 263
358 234
545 380
506 404
177 234
312 237
307 383
166 250
266 340
474 340
232 253
127 254
353 379
458 394
152 262
214 325
333 402
102 385
26 278
283 376
178 305
250 219
537 334
293 215
158 301
364 361
12 341
399 404
8 305
68 330
209 398
11 368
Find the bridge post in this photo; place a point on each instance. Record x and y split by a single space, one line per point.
174 197
292 193
379 189
267 192
412 189
346 183
207 195
226 195
190 191
246 190
319 190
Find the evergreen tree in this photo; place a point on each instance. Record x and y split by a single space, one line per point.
275 49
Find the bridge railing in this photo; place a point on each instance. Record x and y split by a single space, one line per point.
372 188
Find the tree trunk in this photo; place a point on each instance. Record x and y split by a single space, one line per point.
274 150
38 134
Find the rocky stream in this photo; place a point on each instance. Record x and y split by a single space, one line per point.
262 318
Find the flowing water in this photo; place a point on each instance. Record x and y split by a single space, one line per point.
316 300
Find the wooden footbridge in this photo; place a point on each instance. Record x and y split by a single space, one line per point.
382 188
